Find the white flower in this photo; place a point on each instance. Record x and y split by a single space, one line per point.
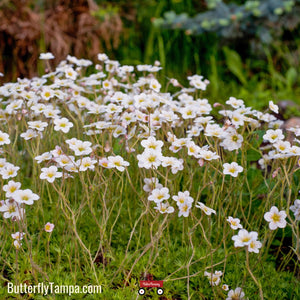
37 125
56 152
47 93
105 163
198 82
81 147
225 287
208 155
4 138
70 73
120 130
184 209
282 146
182 198
150 159
46 56
29 134
151 184
43 157
164 208
214 278
232 169
188 112
296 209
244 238
118 162
86 163
236 294
273 107
254 246
235 103
18 235
17 244
62 124
25 196
214 130
275 218
3 163
232 140
159 194
207 210
11 209
9 171
155 85
234 223
152 143
11 187
273 136
102 57
50 174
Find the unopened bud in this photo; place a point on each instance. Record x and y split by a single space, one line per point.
201 162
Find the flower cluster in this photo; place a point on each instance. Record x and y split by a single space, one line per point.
118 123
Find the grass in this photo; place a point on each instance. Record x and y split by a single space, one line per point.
106 230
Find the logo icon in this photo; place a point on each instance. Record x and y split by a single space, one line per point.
151 284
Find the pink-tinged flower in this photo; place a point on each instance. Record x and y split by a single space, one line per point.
275 218
234 223
18 235
49 227
225 287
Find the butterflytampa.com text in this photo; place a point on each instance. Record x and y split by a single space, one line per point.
51 288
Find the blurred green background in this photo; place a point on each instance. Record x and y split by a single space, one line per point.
247 49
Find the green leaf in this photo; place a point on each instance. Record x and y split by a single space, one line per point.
291 76
253 155
234 64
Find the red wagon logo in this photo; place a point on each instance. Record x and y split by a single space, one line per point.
151 284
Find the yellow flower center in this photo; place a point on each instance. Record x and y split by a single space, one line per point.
276 218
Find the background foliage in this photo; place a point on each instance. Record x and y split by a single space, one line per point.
246 48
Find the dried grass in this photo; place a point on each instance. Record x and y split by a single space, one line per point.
64 27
